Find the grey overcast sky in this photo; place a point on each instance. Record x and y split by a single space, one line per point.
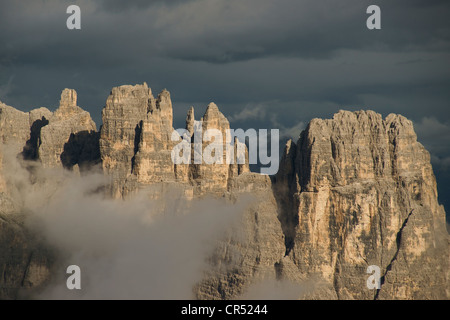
266 63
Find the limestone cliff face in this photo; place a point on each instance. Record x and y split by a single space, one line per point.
69 137
125 108
25 262
2 180
65 138
213 176
353 191
14 132
136 144
356 191
253 249
153 162
14 127
135 139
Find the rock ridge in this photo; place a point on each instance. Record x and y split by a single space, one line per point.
352 191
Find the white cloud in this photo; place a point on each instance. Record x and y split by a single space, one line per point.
291 132
250 112
435 136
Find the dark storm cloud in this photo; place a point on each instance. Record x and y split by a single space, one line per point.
217 31
226 31
121 6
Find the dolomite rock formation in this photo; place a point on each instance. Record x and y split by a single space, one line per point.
216 177
153 162
353 191
356 191
70 136
2 180
210 177
66 138
25 262
136 144
13 126
135 139
19 135
125 108
14 123
252 250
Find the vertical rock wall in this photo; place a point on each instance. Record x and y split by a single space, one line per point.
356 191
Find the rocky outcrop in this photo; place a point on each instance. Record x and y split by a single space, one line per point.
69 139
212 177
125 108
14 124
136 144
66 138
38 119
215 172
2 180
153 161
353 191
253 249
356 191
25 262
14 127
19 135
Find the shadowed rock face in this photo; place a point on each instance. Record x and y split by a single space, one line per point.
66 121
81 151
25 262
42 135
30 151
66 138
353 191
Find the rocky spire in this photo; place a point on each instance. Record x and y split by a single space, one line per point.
67 104
136 143
67 135
126 108
353 191
68 98
190 118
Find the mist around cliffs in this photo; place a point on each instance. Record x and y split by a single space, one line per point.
127 249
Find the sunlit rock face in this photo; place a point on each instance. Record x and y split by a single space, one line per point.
359 190
354 191
136 144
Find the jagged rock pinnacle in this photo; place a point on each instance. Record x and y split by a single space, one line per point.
352 191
